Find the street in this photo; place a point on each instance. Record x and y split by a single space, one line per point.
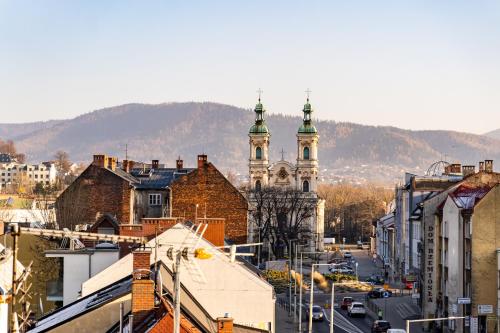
393 309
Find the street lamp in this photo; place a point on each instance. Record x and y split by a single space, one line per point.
302 283
311 299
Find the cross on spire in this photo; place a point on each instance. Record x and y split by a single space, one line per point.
282 154
260 93
308 92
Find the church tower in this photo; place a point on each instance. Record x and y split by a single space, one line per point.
259 150
307 153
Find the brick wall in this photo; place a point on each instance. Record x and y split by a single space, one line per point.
142 287
216 197
224 325
95 192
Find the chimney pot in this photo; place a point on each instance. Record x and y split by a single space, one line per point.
202 160
488 166
225 324
481 166
468 170
179 163
155 164
100 160
111 163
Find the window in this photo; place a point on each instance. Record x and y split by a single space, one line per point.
258 153
305 186
258 186
306 153
155 199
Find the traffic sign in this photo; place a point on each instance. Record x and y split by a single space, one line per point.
463 300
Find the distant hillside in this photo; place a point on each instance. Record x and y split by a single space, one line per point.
166 131
494 134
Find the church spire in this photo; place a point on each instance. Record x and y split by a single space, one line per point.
260 124
307 126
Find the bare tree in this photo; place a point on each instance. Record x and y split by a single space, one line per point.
282 215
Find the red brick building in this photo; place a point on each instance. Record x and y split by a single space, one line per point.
130 195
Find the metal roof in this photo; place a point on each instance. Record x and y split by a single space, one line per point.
466 197
157 178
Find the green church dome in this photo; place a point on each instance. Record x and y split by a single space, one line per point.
307 126
260 126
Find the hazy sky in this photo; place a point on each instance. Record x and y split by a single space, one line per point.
412 64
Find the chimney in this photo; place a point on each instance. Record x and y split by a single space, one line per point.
468 170
488 166
481 166
130 165
202 160
99 160
143 296
447 169
125 166
154 164
179 163
225 324
111 163
456 168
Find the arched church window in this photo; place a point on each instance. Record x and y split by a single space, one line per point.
257 185
305 186
258 153
306 153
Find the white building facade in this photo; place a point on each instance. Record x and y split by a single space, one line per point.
14 173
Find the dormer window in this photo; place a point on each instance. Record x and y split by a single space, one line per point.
258 153
306 153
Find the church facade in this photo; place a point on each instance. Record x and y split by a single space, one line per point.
300 175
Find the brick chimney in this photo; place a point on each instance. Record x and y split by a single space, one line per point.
125 166
202 161
456 168
100 160
225 324
130 165
143 297
111 163
468 170
488 166
179 163
447 169
481 166
155 164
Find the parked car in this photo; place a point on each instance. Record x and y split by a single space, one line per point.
380 326
347 255
356 309
346 302
317 313
408 285
359 245
396 330
379 293
375 279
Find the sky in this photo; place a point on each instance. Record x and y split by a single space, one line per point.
411 64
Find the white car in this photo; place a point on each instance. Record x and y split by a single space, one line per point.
356 309
347 255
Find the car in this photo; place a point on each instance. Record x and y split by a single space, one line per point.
379 293
375 279
359 245
341 270
347 255
356 309
380 326
317 313
396 330
346 302
408 285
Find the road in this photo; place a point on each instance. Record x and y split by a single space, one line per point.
343 323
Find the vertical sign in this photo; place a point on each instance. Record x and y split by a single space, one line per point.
473 324
429 264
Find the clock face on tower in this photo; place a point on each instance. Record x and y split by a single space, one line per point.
282 173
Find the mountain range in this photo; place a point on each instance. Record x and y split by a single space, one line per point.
166 131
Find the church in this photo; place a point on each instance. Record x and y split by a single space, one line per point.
300 175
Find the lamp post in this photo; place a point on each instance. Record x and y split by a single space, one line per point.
311 299
427 320
301 284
